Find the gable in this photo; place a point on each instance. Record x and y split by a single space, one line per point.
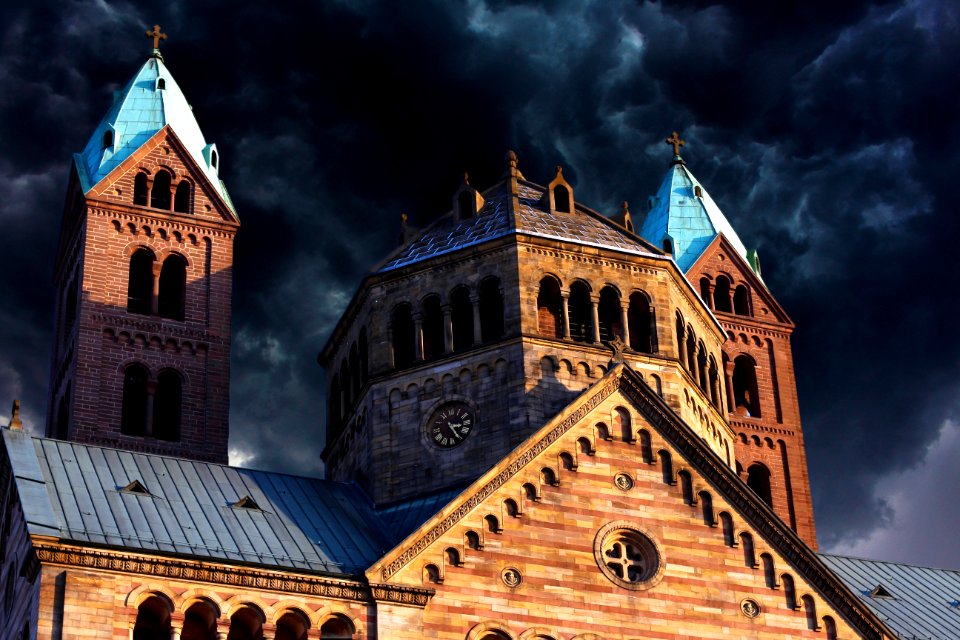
165 151
722 257
548 516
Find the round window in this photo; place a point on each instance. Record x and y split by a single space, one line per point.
628 556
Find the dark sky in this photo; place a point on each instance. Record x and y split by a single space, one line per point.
827 132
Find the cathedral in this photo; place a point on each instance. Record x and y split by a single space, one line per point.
543 422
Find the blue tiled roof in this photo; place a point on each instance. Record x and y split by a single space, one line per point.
74 492
691 222
150 101
923 602
493 221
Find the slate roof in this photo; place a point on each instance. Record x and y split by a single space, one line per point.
923 602
74 492
493 221
138 112
690 221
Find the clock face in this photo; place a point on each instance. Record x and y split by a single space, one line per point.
451 424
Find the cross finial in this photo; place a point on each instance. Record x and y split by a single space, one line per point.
676 142
157 36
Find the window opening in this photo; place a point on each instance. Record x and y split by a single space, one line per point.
133 418
668 246
721 295
161 84
639 322
140 282
160 193
581 313
758 479
549 308
336 628
461 317
491 310
402 330
432 328
466 202
153 620
107 139
173 280
167 403
140 189
181 200
741 301
609 314
746 401
561 199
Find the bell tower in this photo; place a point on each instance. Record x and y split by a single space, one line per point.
759 383
143 278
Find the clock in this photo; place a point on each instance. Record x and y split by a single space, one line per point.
450 424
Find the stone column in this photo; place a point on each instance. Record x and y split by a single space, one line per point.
565 309
417 336
393 355
175 633
654 341
715 389
709 300
625 323
594 301
447 328
477 329
728 378
682 348
155 296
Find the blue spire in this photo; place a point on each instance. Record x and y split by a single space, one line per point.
684 220
149 102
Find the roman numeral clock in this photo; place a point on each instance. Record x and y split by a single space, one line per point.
450 424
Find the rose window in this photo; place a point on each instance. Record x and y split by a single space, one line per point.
627 556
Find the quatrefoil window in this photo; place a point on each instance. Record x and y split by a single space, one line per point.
628 556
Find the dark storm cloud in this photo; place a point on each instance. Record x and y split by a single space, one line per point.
826 133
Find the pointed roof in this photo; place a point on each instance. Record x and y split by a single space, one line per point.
685 213
151 101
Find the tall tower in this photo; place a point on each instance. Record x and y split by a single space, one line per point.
761 391
489 322
143 277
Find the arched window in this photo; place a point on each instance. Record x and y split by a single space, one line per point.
153 620
173 285
160 193
561 199
686 486
667 246
741 301
461 316
292 625
714 375
107 139
491 310
133 416
830 627
167 403
608 311
810 608
511 508
473 540
692 352
789 591
769 570
402 338
452 557
622 424
549 308
646 447
140 282
726 521
200 622
581 313
567 463
706 508
638 319
548 477
337 628
214 159
705 291
246 624
493 525
749 554
745 395
702 368
681 344
666 466
758 479
721 295
494 635
466 202
530 492
140 189
432 328
181 200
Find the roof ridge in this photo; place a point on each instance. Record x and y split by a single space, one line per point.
894 562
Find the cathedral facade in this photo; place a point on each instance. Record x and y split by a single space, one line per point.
543 422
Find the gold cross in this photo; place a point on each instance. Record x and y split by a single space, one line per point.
676 142
157 36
